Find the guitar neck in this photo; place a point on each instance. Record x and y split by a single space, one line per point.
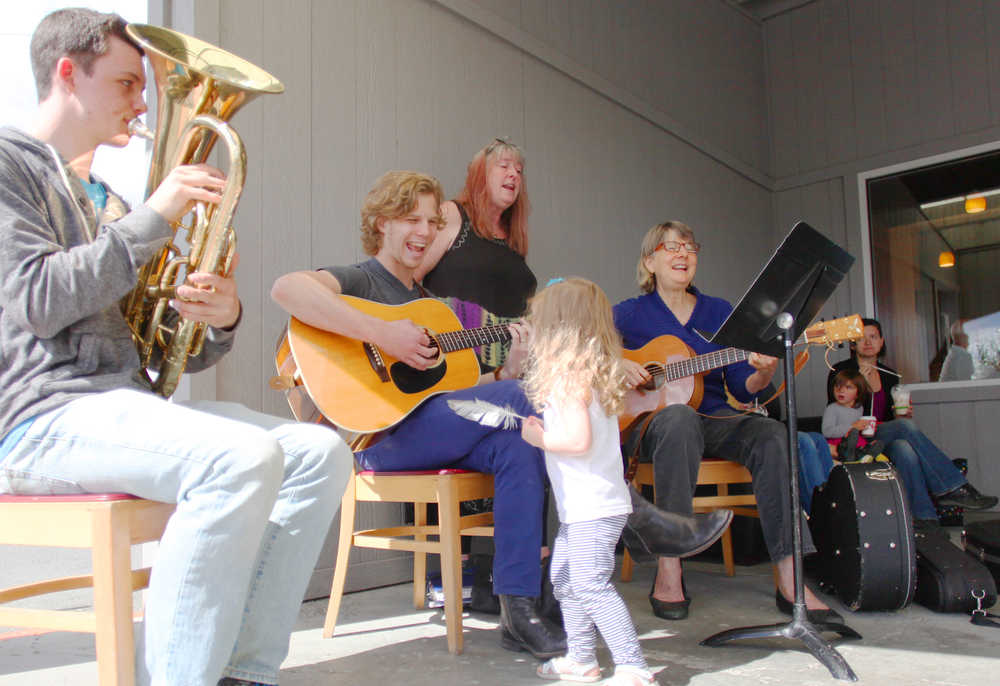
706 362
463 339
702 363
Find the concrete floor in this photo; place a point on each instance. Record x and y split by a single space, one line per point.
382 640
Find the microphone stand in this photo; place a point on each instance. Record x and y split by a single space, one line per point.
800 627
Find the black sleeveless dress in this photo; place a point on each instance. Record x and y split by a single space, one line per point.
483 271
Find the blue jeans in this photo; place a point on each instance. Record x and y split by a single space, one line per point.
921 464
815 463
255 495
434 436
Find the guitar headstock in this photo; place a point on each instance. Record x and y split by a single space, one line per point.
844 329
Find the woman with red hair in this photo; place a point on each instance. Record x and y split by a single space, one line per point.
478 259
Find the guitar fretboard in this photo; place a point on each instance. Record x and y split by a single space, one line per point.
700 363
463 339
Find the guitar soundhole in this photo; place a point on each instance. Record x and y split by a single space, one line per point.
410 380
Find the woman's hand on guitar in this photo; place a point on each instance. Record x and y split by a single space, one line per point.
408 343
635 374
520 343
766 366
763 363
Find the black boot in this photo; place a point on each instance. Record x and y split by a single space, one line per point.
483 599
651 531
522 629
847 449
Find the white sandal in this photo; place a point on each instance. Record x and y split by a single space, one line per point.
630 676
565 669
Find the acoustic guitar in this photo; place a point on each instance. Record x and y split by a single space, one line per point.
677 371
352 384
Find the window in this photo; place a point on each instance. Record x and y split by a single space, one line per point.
934 237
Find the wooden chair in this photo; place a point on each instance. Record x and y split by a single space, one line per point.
445 487
718 473
108 524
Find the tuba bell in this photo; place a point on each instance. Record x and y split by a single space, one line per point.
199 87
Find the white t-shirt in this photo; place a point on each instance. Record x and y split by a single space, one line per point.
592 485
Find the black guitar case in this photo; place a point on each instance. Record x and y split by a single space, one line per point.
949 580
863 532
982 541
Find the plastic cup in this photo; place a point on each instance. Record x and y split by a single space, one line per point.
869 430
900 400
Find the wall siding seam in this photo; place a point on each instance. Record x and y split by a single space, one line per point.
503 29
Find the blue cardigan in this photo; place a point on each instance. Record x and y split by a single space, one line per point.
641 319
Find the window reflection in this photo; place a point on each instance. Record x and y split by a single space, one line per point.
935 239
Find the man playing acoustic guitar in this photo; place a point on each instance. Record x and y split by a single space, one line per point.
399 221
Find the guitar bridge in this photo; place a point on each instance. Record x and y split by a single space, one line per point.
376 361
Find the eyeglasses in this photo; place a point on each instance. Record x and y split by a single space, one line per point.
673 247
498 143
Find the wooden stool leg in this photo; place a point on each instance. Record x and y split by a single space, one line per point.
627 565
419 558
347 506
451 563
727 552
113 597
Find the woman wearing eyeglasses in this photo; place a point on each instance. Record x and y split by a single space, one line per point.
678 435
478 259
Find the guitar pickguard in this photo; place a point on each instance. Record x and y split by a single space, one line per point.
410 380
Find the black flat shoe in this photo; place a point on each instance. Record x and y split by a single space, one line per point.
814 616
669 609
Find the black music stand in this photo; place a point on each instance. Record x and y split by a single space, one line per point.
777 307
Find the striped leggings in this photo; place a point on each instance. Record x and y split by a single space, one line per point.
581 568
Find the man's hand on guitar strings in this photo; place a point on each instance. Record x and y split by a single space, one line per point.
408 343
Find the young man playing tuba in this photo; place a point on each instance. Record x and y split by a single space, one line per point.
255 494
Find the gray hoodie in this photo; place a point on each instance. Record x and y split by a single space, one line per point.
62 334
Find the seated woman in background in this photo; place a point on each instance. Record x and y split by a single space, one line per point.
924 468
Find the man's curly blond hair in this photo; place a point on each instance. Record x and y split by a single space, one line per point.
575 347
395 195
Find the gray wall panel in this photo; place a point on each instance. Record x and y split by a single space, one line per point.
841 122
868 79
969 57
933 69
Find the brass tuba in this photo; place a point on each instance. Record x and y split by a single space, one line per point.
198 87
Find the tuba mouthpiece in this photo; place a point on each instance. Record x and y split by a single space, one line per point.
136 127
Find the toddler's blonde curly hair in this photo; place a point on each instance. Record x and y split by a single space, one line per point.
575 346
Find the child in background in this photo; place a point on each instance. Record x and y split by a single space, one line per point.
842 422
575 375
